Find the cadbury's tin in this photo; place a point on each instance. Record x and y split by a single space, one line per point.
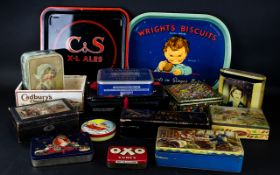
99 129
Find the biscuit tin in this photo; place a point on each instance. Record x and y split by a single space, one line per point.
44 118
42 70
88 38
120 82
144 122
99 129
74 89
192 97
199 149
180 47
248 123
241 89
127 157
61 149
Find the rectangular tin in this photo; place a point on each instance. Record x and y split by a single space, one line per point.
121 82
199 149
61 149
241 89
88 38
74 91
248 123
134 157
42 70
192 97
44 118
144 122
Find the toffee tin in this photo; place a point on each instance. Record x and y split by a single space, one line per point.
180 47
127 157
61 149
241 89
199 149
88 38
99 129
248 123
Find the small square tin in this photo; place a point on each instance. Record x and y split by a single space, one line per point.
144 123
121 82
248 123
61 149
88 38
199 149
241 89
44 118
192 97
134 157
42 70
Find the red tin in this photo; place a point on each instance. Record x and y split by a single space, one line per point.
127 157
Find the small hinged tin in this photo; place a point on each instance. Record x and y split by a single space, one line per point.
180 47
241 89
44 118
42 70
61 149
121 82
192 97
88 38
144 122
248 123
127 157
199 149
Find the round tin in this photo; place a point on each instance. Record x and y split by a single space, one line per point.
99 129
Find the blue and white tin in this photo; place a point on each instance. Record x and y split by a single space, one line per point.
124 82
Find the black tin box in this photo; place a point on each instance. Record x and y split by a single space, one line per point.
57 116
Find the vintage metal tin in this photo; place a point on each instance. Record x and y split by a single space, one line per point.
199 149
180 47
134 157
248 123
61 149
192 97
45 118
120 82
99 129
74 90
88 38
241 89
144 123
42 70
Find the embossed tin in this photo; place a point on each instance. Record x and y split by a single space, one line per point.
45 118
248 123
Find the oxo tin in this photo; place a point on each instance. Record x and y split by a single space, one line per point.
88 38
99 129
61 149
120 82
180 47
127 157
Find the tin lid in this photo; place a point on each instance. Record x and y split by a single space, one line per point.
192 92
88 38
240 73
180 47
99 127
241 117
198 141
125 76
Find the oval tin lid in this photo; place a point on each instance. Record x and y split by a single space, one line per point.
99 127
180 47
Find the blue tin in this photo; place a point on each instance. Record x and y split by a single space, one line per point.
122 82
199 149
180 47
61 149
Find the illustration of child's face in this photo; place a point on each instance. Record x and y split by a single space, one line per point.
175 56
49 74
237 94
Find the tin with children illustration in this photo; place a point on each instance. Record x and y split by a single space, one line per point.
180 47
